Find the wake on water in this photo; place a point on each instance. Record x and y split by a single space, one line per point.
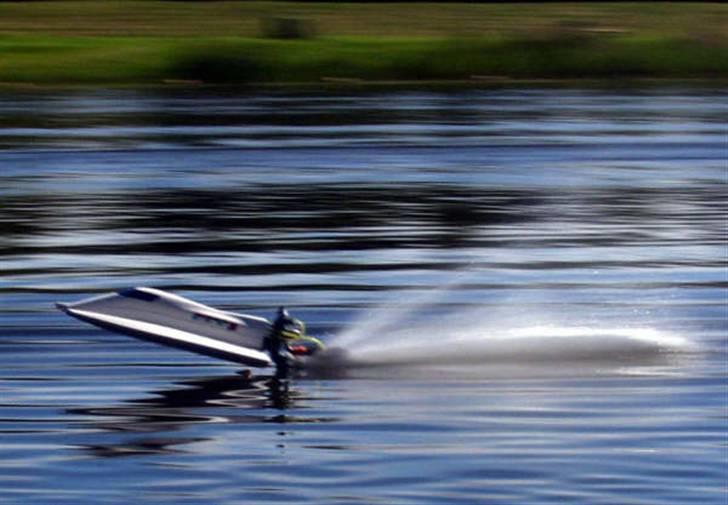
502 339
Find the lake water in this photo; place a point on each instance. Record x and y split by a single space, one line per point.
532 286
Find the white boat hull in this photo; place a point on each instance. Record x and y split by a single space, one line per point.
163 318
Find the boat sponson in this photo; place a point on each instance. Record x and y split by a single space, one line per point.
185 340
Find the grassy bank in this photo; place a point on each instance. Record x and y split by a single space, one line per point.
128 60
136 42
243 18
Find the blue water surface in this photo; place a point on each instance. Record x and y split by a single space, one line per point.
531 285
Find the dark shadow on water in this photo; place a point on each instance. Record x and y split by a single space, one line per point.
144 426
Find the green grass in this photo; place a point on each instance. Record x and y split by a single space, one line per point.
135 42
243 18
127 60
66 60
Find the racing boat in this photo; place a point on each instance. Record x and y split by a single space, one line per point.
164 318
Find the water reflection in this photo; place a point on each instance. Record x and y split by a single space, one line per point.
312 217
400 185
148 423
206 118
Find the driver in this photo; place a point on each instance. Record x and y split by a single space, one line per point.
287 338
288 327
285 329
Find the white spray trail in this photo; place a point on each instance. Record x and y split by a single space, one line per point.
423 332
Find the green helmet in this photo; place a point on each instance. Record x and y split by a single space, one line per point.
293 328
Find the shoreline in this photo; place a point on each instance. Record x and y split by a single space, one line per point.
366 86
